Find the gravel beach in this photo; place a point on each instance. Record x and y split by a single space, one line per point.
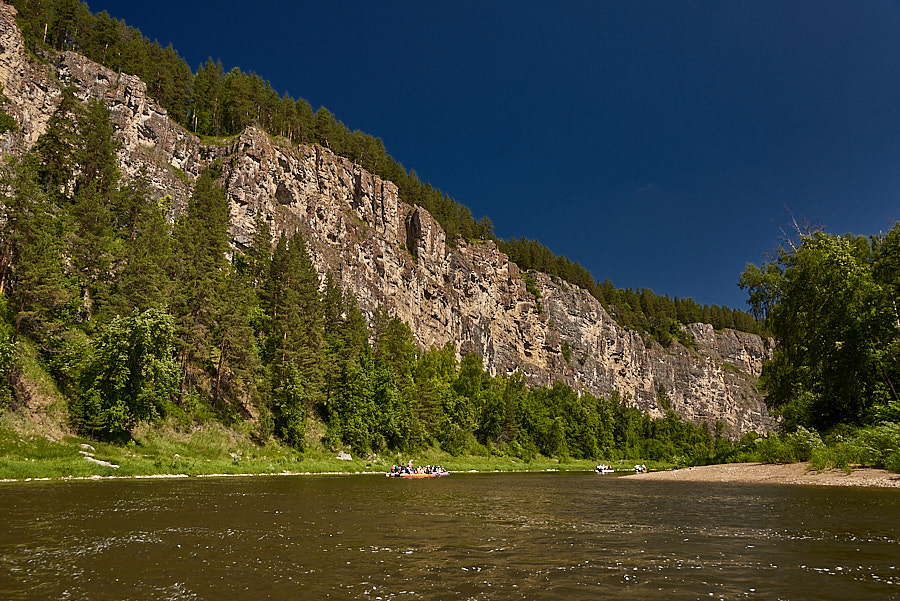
792 473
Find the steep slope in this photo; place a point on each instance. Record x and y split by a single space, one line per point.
392 254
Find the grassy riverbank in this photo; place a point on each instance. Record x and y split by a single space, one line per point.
214 449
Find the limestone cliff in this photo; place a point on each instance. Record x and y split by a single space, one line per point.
392 254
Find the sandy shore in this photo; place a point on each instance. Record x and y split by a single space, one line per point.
793 473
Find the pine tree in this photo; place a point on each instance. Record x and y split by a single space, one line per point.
395 346
96 148
63 28
41 293
206 99
147 254
291 296
294 349
91 244
200 273
56 146
237 361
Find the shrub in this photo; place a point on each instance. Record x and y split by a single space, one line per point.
876 446
130 377
803 443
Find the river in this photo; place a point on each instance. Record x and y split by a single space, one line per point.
466 536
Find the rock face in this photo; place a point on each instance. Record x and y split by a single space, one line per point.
395 255
30 88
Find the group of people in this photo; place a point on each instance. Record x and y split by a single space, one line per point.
409 469
602 468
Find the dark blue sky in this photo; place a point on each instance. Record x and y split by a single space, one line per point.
660 144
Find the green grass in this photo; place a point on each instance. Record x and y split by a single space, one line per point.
731 367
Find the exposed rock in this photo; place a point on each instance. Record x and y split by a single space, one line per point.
395 255
102 462
30 87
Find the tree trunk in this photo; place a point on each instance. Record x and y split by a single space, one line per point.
183 378
219 369
890 384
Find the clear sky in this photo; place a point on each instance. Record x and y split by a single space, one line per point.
662 144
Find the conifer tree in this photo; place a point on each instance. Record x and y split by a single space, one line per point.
395 346
237 360
56 146
95 150
91 244
41 293
200 272
206 99
63 28
293 351
345 331
147 255
291 297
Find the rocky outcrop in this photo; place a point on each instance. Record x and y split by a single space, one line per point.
31 87
395 255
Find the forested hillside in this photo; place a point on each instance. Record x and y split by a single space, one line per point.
139 319
213 102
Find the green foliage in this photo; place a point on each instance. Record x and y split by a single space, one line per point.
293 304
7 123
531 286
352 411
146 251
56 148
42 293
7 355
662 397
395 347
289 397
96 148
875 446
830 303
796 446
566 351
130 376
199 273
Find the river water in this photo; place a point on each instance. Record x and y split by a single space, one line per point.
466 536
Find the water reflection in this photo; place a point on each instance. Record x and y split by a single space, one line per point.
472 536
